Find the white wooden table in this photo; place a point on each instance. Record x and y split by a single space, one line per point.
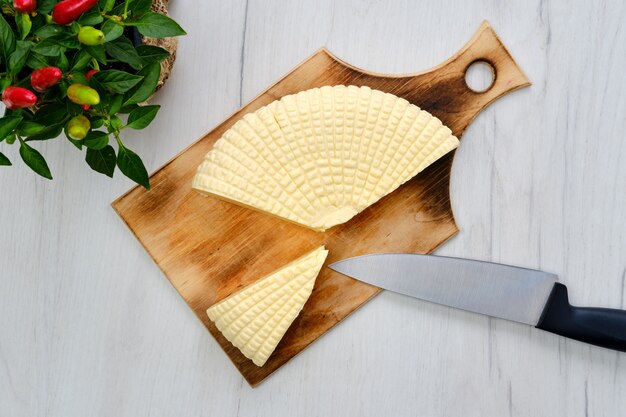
90 327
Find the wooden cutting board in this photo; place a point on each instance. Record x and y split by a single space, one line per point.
209 248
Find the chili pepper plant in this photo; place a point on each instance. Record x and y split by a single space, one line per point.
75 66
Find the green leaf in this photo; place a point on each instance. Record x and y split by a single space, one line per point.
29 128
96 140
4 83
38 20
97 122
50 114
115 104
128 108
123 50
118 10
18 58
117 81
111 30
73 109
91 18
47 31
104 94
48 132
131 165
8 125
24 24
106 5
81 60
146 88
34 160
63 63
63 85
74 28
97 52
78 77
36 61
77 143
142 116
48 47
64 40
102 161
7 39
156 25
139 7
4 161
150 53
116 124
45 6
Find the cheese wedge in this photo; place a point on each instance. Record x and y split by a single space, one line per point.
321 156
255 318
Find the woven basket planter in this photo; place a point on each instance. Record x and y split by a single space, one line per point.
169 44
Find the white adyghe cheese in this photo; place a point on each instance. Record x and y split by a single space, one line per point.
321 156
255 318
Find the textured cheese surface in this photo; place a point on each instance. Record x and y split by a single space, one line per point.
321 156
255 318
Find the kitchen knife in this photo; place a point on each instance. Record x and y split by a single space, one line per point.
518 294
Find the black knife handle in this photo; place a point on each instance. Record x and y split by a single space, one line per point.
603 327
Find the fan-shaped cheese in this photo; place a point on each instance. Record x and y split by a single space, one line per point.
255 318
321 156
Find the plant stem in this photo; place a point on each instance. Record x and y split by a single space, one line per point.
97 113
125 9
117 137
44 102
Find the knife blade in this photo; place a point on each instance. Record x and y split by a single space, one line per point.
518 294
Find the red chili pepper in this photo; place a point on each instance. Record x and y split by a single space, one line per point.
86 107
18 98
25 6
90 73
67 11
43 78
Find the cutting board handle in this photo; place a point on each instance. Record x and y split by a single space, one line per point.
443 91
485 47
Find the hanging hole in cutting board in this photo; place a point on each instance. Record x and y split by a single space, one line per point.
480 76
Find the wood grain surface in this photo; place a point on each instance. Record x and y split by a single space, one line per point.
209 248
